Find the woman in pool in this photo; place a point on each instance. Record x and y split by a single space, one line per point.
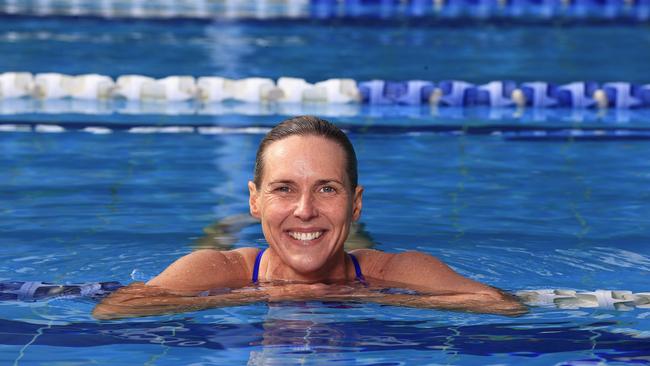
306 195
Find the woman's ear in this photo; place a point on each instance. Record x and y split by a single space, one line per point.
253 196
357 204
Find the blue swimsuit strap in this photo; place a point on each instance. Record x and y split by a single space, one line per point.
256 268
357 268
258 260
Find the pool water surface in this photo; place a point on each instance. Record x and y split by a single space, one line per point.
565 213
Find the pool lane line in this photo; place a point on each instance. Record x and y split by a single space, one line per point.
506 131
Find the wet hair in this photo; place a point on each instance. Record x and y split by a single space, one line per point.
307 126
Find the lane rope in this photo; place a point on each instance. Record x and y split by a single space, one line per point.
620 300
293 91
637 10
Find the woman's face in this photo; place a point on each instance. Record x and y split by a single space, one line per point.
305 202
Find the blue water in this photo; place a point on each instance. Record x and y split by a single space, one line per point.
78 207
517 215
320 51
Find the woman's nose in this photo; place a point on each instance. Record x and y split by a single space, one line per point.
305 207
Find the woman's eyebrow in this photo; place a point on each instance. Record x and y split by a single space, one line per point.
282 181
328 181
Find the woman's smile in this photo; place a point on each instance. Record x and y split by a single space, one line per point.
309 236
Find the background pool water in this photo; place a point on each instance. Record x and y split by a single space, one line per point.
79 207
319 51
140 196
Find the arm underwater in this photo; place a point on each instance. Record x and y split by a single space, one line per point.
155 301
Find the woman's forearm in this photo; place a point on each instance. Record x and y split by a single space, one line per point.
477 303
141 300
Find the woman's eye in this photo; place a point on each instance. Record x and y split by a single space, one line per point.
328 189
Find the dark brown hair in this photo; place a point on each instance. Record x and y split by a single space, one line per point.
307 126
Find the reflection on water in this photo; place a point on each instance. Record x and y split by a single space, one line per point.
299 332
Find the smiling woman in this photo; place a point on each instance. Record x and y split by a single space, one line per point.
306 195
306 202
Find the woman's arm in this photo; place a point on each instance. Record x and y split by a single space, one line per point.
139 299
504 304
207 269
177 287
428 275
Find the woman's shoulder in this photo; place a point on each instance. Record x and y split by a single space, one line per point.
234 255
374 255
238 260
208 268
382 265
369 254
372 261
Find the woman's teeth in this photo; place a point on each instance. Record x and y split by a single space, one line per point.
306 236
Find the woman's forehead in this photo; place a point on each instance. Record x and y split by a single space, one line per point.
304 156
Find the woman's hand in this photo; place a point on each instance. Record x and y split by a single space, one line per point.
306 292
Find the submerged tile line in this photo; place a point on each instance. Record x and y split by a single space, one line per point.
39 332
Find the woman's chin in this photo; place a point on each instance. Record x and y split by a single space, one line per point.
306 265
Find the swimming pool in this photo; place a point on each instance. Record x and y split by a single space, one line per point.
564 213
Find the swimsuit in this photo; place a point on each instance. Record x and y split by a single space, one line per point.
258 259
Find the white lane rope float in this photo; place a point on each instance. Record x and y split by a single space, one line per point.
618 95
601 299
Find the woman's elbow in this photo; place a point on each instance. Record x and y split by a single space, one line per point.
505 303
104 312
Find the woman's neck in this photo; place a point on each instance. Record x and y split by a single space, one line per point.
335 270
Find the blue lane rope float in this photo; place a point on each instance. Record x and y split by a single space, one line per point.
621 300
36 291
286 90
637 10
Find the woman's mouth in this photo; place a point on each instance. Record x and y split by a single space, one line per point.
305 236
